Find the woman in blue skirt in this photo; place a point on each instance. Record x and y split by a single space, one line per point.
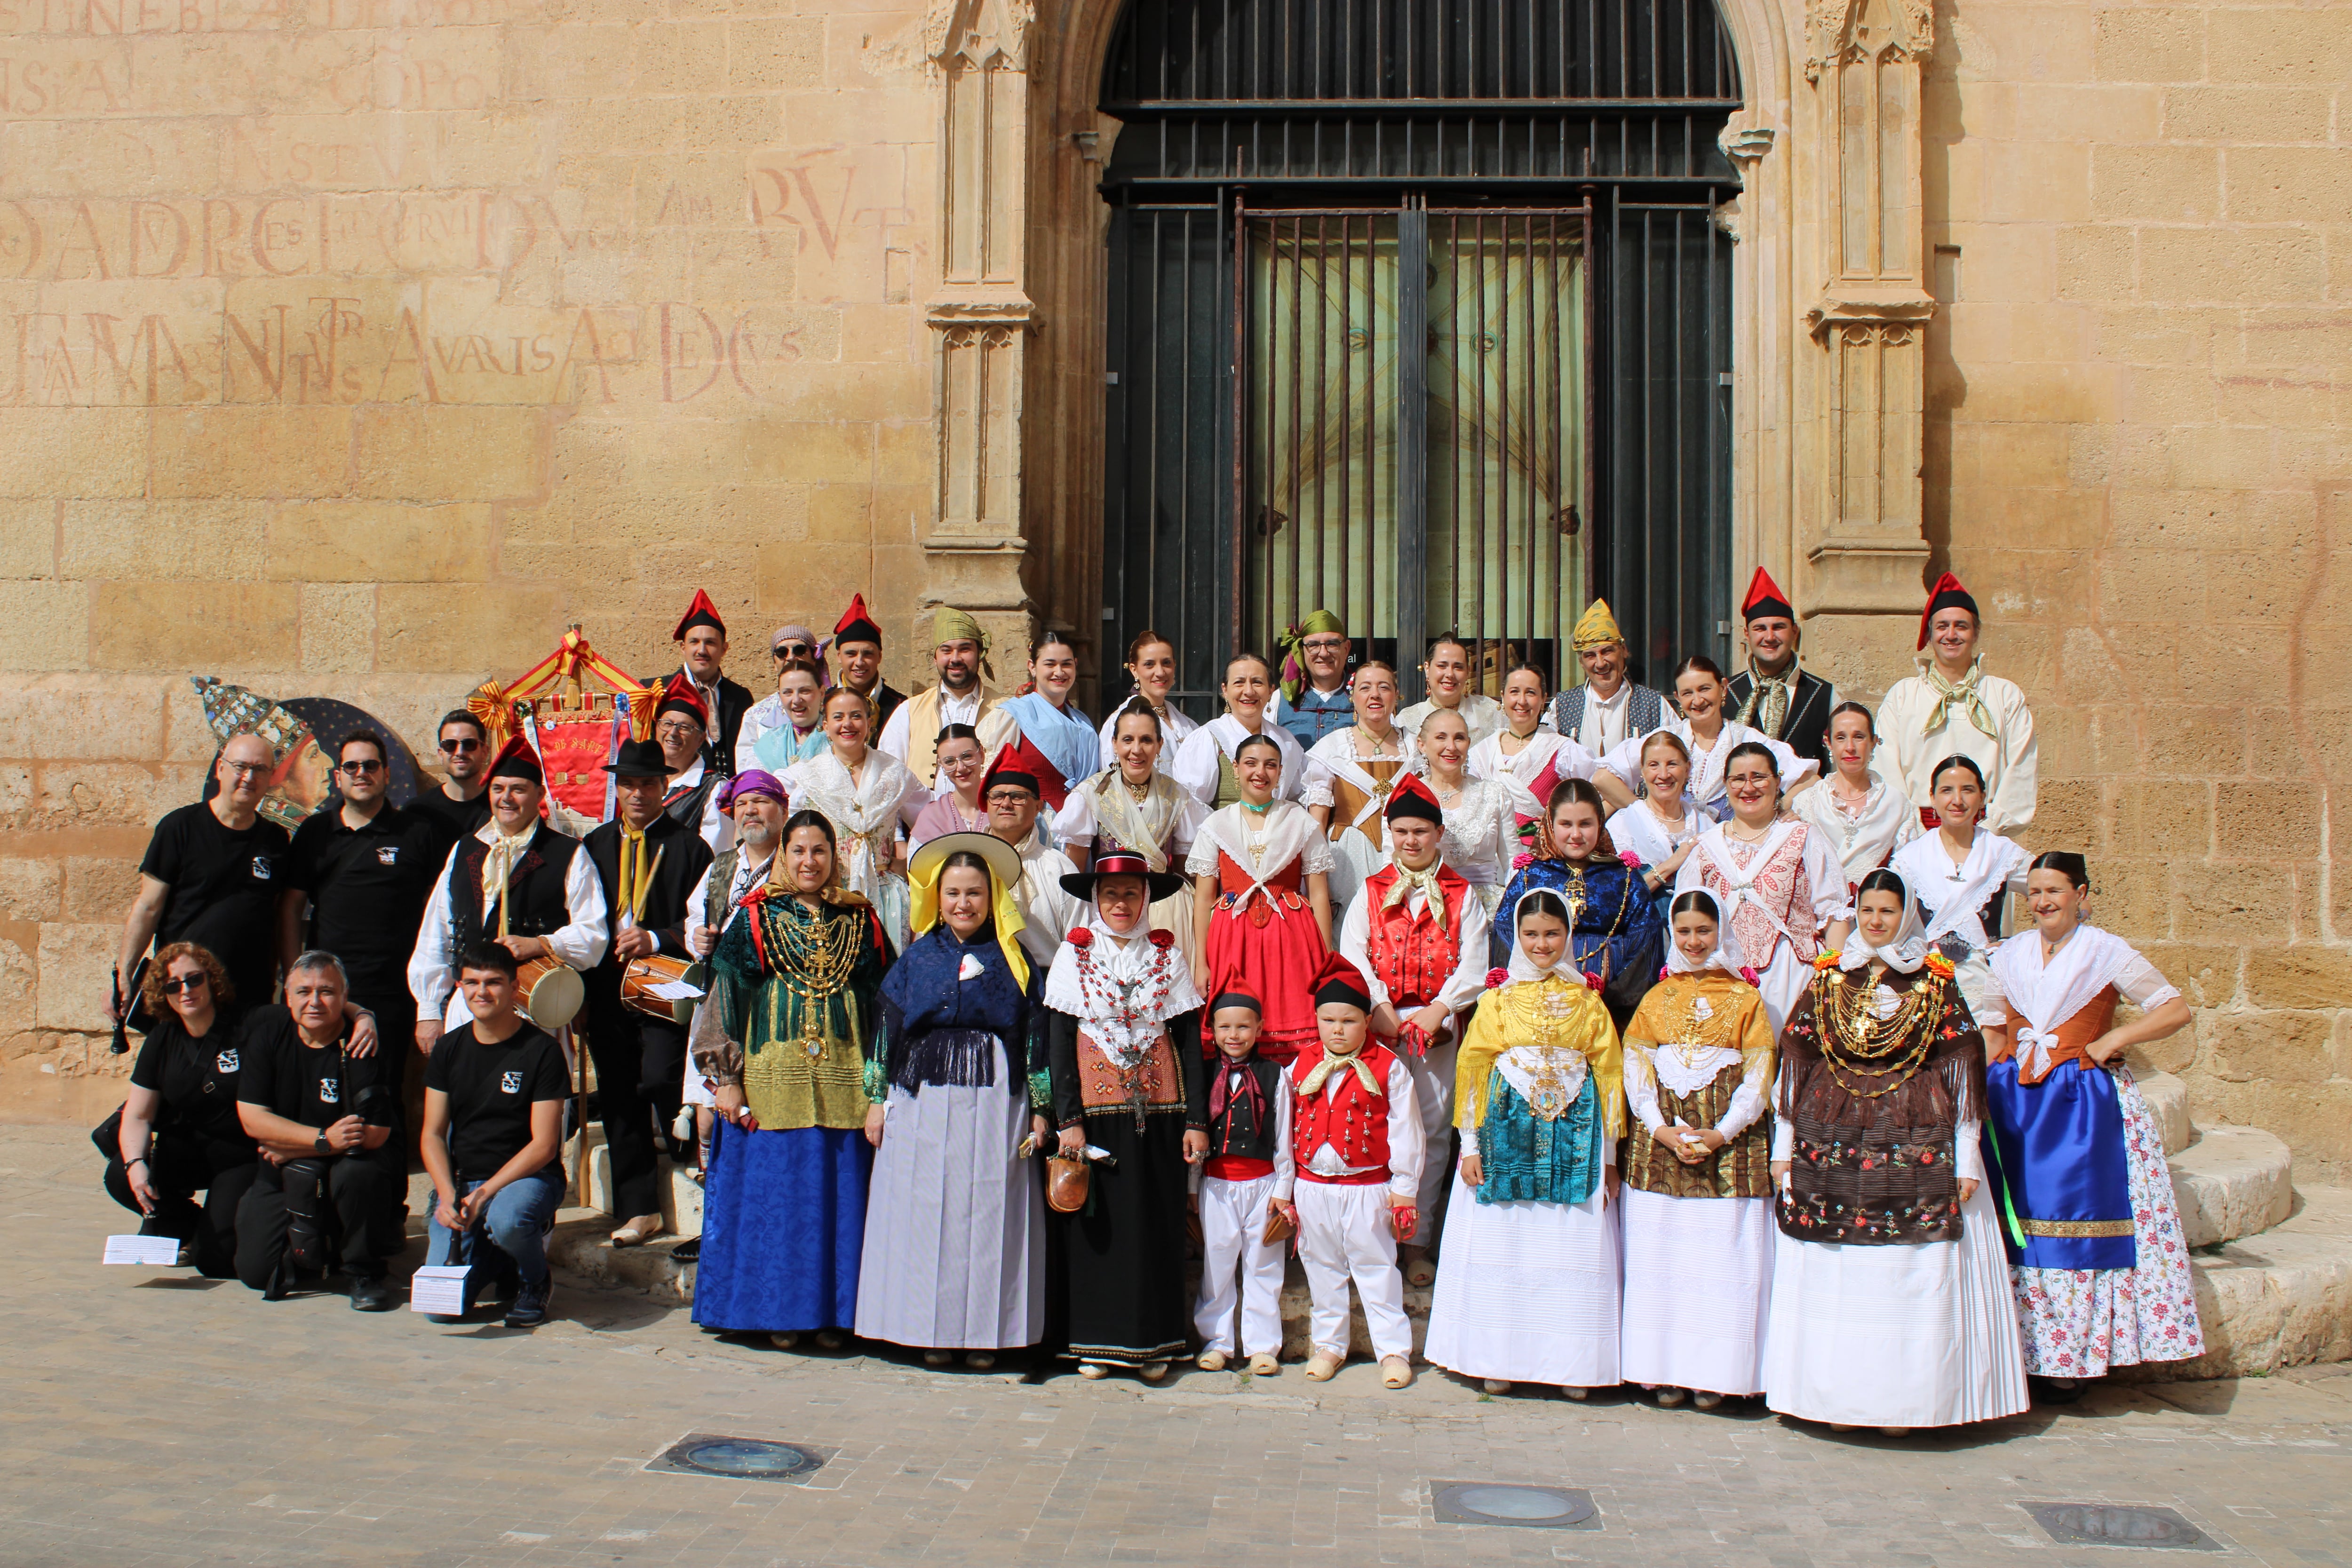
796 975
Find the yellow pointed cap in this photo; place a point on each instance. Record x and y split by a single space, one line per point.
1597 627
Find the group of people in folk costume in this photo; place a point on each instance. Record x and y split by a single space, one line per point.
1665 1038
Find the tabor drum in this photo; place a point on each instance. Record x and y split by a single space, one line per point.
642 974
549 991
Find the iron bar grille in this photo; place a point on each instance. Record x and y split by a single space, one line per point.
1526 187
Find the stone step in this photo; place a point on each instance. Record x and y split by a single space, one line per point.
2278 1300
2233 1182
2168 1103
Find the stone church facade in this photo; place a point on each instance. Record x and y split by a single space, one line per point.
359 346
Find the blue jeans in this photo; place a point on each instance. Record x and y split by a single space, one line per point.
515 1223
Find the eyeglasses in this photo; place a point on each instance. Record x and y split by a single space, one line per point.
791 650
248 770
360 770
678 729
461 747
190 982
1325 645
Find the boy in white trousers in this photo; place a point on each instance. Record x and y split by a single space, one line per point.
1356 1141
1246 1181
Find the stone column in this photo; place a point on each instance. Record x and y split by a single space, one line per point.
1867 60
981 315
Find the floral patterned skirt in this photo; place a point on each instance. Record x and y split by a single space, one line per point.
2078 1322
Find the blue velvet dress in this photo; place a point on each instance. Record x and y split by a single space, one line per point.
1616 919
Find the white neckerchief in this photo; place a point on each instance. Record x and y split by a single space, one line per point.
498 866
1117 1010
1288 831
2045 996
1129 822
1962 894
1341 760
1904 954
1866 838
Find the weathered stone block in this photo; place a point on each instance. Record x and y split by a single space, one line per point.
97 888
375 542
502 630
451 454
172 627
60 719
263 452
30 889
76 964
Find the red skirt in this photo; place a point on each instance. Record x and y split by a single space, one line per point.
1275 961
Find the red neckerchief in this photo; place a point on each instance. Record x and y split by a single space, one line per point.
1220 1091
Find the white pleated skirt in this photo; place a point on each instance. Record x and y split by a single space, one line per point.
1698 1291
1526 1293
955 1226
1923 1335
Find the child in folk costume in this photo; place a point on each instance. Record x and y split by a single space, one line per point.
1613 926
1527 1288
2093 1231
1349 772
1125 1059
1699 1218
1891 1303
870 798
1132 804
1262 908
1418 932
1779 882
1356 1139
1247 1179
1962 874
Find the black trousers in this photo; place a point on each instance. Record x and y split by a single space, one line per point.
180 1167
395 1022
355 1189
640 1064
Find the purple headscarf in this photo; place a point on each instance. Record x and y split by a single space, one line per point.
752 781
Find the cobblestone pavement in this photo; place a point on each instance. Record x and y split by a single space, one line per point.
152 1418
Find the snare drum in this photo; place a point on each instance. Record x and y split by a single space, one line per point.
549 991
642 974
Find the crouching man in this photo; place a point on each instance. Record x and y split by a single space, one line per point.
494 1093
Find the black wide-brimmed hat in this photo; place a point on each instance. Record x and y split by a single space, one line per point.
1117 860
640 760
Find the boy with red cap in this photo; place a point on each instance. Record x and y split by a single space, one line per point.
1952 708
1788 704
701 637
1244 1184
1418 932
1356 1141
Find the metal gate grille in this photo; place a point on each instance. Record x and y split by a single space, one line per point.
1414 493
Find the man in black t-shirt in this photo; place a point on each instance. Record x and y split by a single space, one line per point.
366 868
463 802
315 1110
211 877
494 1093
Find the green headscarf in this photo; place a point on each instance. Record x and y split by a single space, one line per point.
1293 668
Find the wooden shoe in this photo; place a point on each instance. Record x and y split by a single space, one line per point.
1322 1366
1495 1385
980 1361
1210 1361
937 1358
1396 1372
640 1231
1093 1369
1153 1371
831 1339
785 1342
1264 1366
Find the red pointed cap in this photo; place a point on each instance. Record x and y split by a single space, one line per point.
516 760
1023 764
701 613
856 625
1765 599
682 695
1947 595
1340 981
1411 797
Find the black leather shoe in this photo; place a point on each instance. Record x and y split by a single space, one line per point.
373 1295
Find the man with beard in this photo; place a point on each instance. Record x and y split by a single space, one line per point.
959 656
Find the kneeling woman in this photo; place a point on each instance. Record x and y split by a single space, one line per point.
955 1246
1890 1293
795 975
1698 1228
1527 1287
1127 1098
2101 1271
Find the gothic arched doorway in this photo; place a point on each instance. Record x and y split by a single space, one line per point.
1526 189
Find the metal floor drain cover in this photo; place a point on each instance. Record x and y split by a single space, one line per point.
2118 1525
1528 1508
740 1458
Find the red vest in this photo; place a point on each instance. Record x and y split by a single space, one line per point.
1354 1121
1412 958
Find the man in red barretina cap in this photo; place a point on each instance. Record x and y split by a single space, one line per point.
701 637
682 728
1017 783
1952 708
856 652
1788 704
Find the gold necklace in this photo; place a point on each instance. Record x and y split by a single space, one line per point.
1707 1031
1857 1040
817 956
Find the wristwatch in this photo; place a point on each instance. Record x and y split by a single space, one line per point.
321 1144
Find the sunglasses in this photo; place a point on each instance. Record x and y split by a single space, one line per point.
191 983
792 650
461 747
360 770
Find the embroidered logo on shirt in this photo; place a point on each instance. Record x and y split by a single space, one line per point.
511 1082
329 1091
261 868
226 1061
388 856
